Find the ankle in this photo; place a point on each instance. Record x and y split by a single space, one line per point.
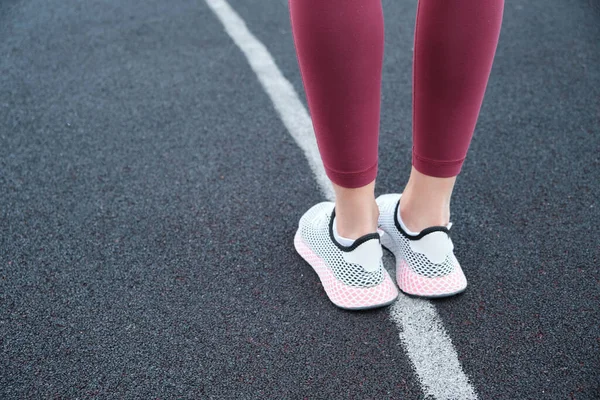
416 216
354 222
426 201
356 211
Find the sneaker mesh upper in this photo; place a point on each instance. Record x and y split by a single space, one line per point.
418 262
314 228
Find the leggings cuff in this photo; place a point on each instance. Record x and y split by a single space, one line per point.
352 180
437 169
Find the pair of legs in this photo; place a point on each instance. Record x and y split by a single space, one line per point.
339 44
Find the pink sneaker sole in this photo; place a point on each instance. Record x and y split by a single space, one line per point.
422 286
417 275
344 296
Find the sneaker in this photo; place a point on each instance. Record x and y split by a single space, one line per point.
353 277
425 263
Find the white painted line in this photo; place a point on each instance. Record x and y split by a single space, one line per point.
422 333
280 90
430 349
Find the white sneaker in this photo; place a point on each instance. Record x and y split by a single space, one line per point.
353 277
425 263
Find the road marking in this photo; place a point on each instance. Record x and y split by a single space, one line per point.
422 333
430 350
280 90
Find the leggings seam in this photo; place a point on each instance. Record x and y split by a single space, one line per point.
438 162
414 71
350 173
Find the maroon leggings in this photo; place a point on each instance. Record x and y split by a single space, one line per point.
340 51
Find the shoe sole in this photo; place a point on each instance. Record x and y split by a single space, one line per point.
341 295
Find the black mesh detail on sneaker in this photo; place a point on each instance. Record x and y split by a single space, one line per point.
315 232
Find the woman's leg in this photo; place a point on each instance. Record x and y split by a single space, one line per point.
455 42
339 44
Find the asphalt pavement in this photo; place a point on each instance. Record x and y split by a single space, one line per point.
149 194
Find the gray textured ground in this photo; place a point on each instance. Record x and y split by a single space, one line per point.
149 195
